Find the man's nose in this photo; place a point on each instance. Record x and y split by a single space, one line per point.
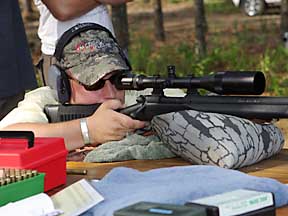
109 90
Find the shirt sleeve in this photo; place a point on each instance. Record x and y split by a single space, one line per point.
31 109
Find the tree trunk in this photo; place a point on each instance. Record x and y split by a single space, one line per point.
284 22
159 31
200 28
120 23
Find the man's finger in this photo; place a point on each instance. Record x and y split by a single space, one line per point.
112 104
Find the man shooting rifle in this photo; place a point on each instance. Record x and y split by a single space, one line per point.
89 61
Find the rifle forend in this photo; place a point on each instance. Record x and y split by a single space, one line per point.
227 82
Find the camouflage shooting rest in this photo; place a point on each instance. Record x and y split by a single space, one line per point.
216 139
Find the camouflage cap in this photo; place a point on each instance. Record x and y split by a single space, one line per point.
91 55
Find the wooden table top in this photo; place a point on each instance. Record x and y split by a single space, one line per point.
275 167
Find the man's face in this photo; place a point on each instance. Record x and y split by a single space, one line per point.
79 95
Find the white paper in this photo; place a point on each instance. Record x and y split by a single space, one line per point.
71 201
36 205
77 198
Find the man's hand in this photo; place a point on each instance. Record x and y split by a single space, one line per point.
106 124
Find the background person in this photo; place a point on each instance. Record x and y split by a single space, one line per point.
57 16
16 68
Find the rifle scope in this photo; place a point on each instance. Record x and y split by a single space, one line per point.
227 82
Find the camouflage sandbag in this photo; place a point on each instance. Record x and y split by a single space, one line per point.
216 139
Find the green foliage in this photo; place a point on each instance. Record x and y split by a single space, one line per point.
235 55
156 62
175 1
139 53
274 64
220 6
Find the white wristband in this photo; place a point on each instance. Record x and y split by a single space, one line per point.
84 131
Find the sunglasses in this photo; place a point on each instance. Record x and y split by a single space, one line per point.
100 83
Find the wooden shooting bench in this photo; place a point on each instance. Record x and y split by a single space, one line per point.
276 167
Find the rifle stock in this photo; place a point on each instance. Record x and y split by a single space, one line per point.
60 113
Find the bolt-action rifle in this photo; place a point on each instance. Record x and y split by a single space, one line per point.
233 96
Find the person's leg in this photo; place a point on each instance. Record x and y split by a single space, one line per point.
8 103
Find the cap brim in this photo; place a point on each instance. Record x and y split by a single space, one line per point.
94 69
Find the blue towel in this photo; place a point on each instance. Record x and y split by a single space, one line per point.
176 185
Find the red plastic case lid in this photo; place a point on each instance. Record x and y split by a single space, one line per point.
16 150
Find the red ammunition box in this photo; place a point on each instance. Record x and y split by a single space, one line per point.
20 150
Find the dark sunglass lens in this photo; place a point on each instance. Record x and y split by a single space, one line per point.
98 85
113 79
101 83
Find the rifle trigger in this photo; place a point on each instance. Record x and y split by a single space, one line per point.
136 113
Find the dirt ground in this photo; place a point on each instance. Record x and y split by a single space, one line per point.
178 23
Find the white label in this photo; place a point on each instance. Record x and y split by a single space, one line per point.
238 201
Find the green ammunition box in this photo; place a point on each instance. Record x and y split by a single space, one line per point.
21 189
